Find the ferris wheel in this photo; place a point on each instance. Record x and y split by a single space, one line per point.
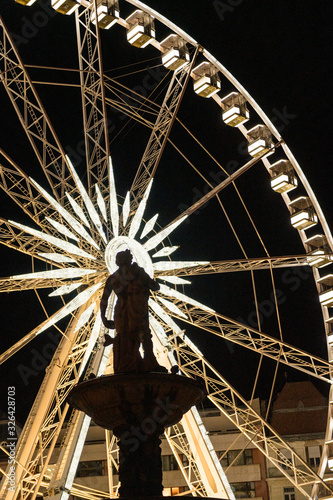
142 120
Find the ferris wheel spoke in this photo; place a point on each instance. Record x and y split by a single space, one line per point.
82 298
9 285
17 185
190 427
161 131
47 279
250 338
229 180
94 216
193 364
32 115
41 207
39 239
236 265
17 239
155 240
93 99
122 104
43 246
61 212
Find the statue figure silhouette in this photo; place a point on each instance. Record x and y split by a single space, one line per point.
132 286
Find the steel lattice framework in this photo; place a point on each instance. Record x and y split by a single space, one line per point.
90 216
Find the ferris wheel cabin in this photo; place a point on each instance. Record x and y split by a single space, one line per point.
235 111
176 54
141 29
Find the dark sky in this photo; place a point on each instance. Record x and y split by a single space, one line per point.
279 51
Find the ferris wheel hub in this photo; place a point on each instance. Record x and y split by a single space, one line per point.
140 254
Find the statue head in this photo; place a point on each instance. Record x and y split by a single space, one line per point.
123 258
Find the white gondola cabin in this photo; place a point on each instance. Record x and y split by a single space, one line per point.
107 13
141 29
206 80
259 140
283 177
303 215
176 54
234 108
319 249
326 294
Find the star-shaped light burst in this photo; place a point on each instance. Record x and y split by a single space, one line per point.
85 263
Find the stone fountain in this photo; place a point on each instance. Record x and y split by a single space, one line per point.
140 399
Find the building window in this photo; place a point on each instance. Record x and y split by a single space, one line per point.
289 493
236 457
91 468
169 462
184 460
243 490
313 453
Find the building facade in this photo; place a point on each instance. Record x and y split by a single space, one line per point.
299 415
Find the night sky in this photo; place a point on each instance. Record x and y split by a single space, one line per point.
279 51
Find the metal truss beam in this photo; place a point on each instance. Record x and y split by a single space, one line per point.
17 185
112 454
122 100
177 440
252 339
10 285
204 473
32 116
51 320
236 265
77 427
19 240
31 199
161 131
93 99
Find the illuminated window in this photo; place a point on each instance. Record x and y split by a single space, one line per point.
176 54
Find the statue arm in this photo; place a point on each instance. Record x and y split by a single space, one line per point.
104 303
153 285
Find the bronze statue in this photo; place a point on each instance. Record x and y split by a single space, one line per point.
132 286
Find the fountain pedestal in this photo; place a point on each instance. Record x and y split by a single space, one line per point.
137 408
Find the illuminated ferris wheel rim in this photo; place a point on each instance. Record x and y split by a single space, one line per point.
237 85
